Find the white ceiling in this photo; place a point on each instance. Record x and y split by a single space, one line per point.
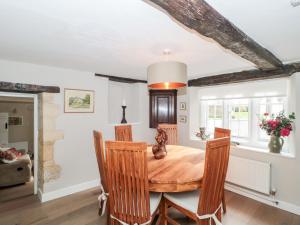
122 37
275 24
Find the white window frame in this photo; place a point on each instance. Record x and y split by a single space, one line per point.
253 139
261 142
204 112
228 105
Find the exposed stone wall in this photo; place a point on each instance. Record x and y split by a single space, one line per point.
48 135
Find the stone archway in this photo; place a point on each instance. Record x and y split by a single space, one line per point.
48 135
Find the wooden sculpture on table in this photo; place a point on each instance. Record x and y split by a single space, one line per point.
159 150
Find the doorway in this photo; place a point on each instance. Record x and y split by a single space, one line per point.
18 145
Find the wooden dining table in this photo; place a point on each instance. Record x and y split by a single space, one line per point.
181 170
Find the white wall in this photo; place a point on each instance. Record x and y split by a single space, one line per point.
75 153
285 170
117 92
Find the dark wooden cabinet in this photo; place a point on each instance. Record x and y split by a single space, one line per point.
163 107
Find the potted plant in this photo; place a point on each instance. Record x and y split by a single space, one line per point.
277 127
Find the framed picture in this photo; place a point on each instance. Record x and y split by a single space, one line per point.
182 106
15 120
79 101
182 119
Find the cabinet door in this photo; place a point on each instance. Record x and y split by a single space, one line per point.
163 107
3 129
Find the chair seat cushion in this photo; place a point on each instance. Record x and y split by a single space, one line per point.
187 200
155 199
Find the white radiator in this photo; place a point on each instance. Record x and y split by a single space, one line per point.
251 174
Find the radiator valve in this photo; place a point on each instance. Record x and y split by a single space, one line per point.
273 192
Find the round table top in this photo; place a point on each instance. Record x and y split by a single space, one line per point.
181 170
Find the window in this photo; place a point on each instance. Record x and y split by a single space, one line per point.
213 115
273 106
241 116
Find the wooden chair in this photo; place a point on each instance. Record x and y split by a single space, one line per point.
103 197
204 206
219 133
127 170
123 133
171 130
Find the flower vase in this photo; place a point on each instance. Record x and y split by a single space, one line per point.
275 144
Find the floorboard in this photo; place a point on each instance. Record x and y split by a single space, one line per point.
81 209
16 191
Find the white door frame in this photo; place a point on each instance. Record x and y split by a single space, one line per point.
35 131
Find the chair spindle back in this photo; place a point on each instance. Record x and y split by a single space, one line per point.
216 161
123 133
171 130
128 181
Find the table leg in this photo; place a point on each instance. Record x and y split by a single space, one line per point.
163 211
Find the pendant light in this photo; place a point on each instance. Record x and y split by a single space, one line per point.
167 75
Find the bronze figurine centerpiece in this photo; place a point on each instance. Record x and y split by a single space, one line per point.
159 150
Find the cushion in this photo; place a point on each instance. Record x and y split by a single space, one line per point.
154 201
187 200
8 155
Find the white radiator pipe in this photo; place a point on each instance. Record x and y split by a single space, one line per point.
249 193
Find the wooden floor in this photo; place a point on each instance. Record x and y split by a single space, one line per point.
15 192
81 209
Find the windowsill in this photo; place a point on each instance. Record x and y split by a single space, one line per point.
264 151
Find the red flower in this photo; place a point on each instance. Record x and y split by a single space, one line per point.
289 127
273 123
284 132
266 114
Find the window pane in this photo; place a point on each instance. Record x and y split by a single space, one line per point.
218 123
276 108
276 100
273 106
262 109
243 115
234 126
263 135
211 111
234 114
243 129
238 117
263 100
219 112
210 126
213 115
244 108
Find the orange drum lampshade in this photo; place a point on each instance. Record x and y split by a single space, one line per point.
167 75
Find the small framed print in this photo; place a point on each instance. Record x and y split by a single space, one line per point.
182 119
182 106
79 101
15 121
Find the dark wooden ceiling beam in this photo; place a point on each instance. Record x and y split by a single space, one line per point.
121 79
198 15
244 76
27 88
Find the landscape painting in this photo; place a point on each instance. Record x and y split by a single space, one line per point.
79 101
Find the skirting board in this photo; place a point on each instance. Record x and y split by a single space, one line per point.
44 197
264 199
